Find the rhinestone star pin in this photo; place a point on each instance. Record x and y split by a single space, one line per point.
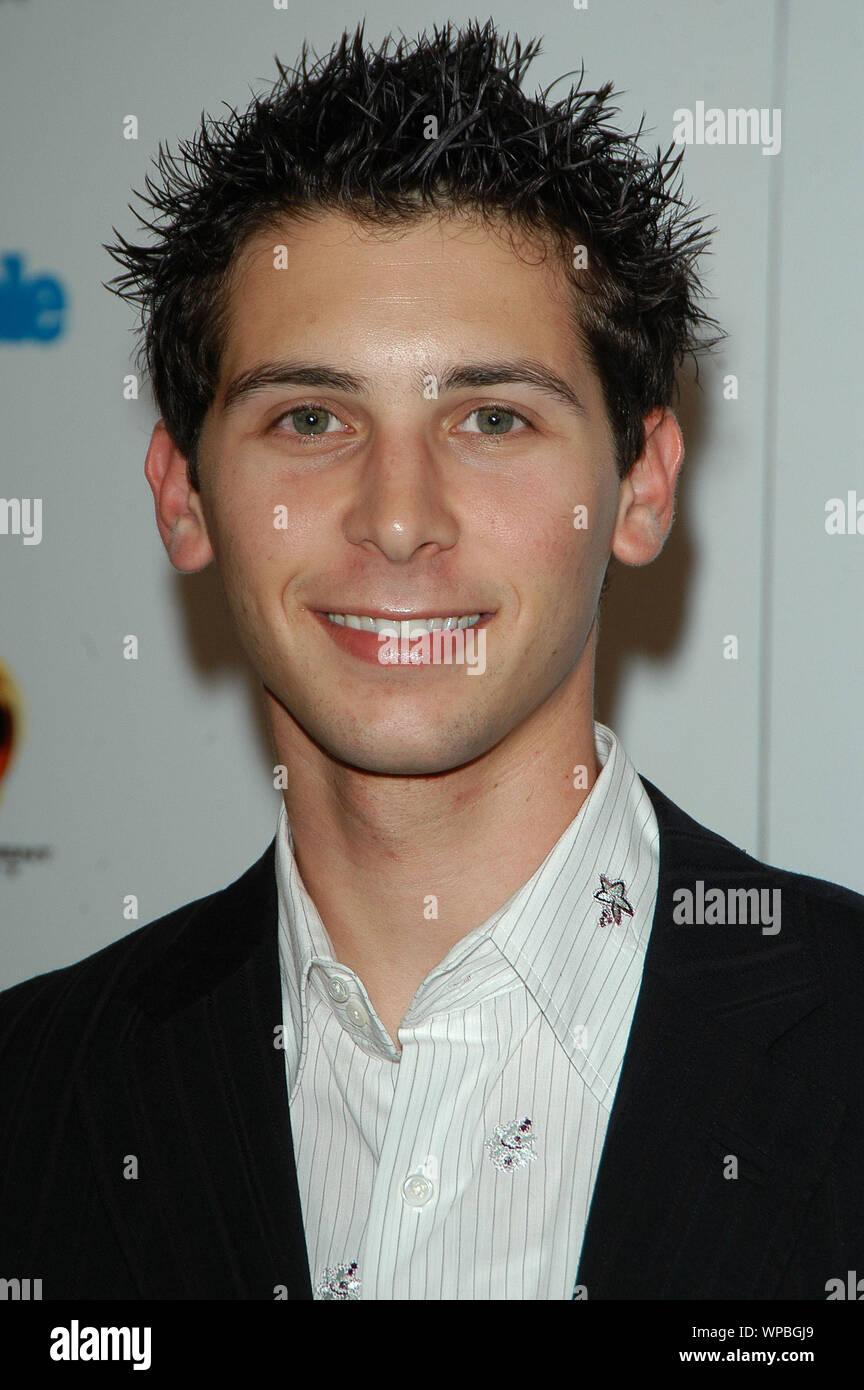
612 894
511 1146
338 1282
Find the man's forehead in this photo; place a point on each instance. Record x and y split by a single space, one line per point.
300 277
322 239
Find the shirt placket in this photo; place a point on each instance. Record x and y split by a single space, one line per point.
406 1190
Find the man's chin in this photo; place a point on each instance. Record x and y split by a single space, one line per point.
420 741
423 752
405 760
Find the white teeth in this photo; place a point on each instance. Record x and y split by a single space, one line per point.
407 626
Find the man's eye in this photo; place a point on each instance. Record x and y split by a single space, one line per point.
310 420
494 419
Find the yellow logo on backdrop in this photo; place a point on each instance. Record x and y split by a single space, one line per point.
11 720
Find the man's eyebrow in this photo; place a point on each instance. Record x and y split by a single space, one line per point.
522 372
473 374
267 374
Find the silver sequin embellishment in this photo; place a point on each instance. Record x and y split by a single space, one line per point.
511 1146
338 1281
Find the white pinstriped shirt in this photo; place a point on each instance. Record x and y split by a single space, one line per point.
407 1190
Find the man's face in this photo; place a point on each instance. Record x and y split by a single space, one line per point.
367 494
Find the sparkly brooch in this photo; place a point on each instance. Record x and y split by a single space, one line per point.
613 895
511 1146
338 1282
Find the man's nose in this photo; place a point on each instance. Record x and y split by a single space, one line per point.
403 499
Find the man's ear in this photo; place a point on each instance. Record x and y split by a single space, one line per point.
179 515
646 500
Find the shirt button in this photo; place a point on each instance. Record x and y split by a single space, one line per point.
337 989
417 1190
357 1014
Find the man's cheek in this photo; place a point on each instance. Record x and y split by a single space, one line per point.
565 574
298 520
564 552
259 538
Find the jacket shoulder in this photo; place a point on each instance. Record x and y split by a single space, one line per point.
699 848
33 1008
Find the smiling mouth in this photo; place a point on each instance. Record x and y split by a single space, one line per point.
407 627
360 635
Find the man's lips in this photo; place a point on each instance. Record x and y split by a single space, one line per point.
366 646
401 615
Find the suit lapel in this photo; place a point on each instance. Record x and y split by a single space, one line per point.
189 1095
700 1087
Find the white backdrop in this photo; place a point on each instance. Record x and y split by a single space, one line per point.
152 777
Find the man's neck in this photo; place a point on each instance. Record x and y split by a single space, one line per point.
400 869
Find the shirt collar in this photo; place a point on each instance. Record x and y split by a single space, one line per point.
549 931
577 931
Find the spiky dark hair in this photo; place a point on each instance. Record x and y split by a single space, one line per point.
347 134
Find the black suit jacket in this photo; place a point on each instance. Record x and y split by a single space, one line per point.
159 1052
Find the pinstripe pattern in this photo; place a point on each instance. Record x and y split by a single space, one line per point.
526 1017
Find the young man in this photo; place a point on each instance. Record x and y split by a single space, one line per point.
491 1018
